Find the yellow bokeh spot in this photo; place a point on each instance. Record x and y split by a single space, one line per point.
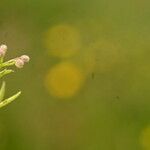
64 80
145 138
63 41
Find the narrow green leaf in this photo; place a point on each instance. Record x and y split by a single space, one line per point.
5 72
9 100
2 91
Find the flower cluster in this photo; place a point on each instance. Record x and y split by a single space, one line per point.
19 63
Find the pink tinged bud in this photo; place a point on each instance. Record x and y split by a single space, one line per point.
25 58
3 49
2 53
19 63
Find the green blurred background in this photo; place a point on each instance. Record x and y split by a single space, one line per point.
87 86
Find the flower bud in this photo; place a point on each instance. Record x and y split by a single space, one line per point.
25 58
3 49
19 63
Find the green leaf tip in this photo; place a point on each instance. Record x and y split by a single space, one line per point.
10 99
2 91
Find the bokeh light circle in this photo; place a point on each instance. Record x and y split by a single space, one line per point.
145 138
63 41
64 80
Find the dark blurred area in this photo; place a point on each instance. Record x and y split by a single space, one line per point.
87 84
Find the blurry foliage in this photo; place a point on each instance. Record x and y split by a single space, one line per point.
111 110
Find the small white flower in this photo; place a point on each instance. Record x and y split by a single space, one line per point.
25 58
3 50
3 47
19 63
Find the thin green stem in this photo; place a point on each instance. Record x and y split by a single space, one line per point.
5 72
7 63
2 91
